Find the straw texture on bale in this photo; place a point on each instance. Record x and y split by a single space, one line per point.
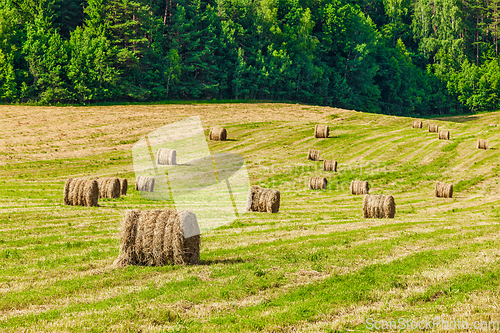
218 134
433 128
417 124
81 192
359 187
318 183
482 144
330 165
263 200
166 156
444 135
443 190
321 131
313 154
144 184
379 206
109 187
123 186
157 238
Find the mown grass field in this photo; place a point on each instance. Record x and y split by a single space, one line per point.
316 266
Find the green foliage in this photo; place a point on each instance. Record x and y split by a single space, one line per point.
392 56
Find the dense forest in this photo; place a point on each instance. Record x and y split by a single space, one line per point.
392 56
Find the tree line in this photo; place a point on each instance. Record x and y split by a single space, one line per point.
397 57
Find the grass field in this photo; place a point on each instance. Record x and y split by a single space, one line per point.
316 266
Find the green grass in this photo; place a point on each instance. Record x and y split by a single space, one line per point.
316 266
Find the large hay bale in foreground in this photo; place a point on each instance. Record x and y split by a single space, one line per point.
144 184
123 186
81 192
263 200
218 134
159 237
443 190
417 124
318 183
313 154
359 187
482 144
444 135
330 165
433 128
379 206
109 187
321 131
165 156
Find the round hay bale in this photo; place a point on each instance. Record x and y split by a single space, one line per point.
359 187
145 184
482 144
148 236
321 131
123 186
379 206
66 199
166 156
433 128
168 248
186 250
318 183
417 124
443 190
141 224
159 237
313 154
493 125
330 165
128 232
218 134
444 135
91 193
109 187
263 200
81 192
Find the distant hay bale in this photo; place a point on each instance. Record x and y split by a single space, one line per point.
443 190
158 238
318 183
444 135
263 200
166 156
109 187
359 187
218 134
433 128
123 186
313 154
379 206
417 124
493 125
321 131
330 165
144 184
81 192
482 144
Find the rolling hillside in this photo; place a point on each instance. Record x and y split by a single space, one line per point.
316 266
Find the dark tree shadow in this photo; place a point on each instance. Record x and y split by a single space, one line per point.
456 119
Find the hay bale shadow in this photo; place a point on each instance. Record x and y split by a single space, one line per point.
221 261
